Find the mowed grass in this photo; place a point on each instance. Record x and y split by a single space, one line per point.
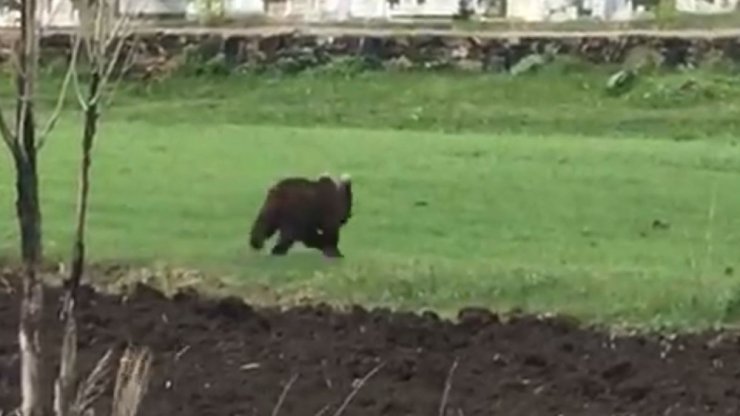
442 221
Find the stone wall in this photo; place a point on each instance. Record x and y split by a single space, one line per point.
163 51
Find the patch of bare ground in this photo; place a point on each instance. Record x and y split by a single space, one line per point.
220 356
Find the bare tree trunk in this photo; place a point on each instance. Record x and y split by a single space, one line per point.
34 384
33 380
27 204
28 208
66 386
24 142
88 136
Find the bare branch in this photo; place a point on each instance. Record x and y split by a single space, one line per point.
182 352
51 123
106 75
78 89
15 61
104 39
98 26
6 133
113 33
448 387
88 45
128 63
119 34
85 29
322 410
357 388
284 394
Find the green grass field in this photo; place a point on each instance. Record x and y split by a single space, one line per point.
529 193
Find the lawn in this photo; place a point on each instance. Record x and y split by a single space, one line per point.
613 226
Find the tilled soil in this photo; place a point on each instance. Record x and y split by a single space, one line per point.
221 357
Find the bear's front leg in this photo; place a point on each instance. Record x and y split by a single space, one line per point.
331 244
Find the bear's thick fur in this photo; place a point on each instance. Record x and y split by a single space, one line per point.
305 210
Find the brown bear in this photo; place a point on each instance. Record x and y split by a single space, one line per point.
305 210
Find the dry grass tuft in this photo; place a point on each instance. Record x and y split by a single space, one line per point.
94 386
132 381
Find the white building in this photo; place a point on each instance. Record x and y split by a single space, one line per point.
231 8
563 10
369 9
610 9
60 13
52 13
424 8
706 6
338 10
541 10
235 8
152 7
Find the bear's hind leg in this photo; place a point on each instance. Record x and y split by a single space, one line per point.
312 238
324 242
285 242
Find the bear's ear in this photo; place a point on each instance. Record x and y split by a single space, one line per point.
326 178
345 178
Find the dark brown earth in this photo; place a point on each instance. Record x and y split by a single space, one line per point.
221 357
